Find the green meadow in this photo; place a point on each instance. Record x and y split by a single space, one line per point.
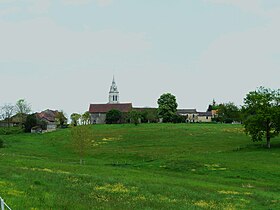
150 166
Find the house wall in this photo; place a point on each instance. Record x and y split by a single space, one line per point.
204 119
196 118
5 124
98 118
51 126
191 117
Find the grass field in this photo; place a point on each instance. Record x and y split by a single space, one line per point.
150 166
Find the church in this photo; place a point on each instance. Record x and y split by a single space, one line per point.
98 111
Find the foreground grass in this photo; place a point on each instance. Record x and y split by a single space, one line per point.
157 166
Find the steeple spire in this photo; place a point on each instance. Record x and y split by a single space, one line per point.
114 93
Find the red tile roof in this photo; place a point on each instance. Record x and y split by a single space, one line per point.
48 115
104 108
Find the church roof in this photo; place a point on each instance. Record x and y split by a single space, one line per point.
104 108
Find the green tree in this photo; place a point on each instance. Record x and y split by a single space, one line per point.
61 119
134 117
22 109
167 107
82 139
228 113
86 118
261 114
150 116
75 117
113 116
30 122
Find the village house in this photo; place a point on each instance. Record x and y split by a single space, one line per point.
49 117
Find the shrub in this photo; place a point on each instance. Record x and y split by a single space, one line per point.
178 119
135 117
30 122
11 130
113 117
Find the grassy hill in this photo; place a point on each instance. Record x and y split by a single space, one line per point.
150 166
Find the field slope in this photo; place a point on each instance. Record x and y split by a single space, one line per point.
155 166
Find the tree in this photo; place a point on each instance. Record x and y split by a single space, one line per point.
30 122
228 113
86 118
113 116
149 115
261 114
134 117
75 117
7 112
167 107
61 119
22 109
81 140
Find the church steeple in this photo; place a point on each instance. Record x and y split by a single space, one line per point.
114 93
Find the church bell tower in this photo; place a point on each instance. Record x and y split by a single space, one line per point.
114 97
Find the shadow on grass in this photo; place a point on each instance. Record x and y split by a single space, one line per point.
260 146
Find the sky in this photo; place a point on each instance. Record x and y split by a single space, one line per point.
62 54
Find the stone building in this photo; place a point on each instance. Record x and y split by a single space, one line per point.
193 116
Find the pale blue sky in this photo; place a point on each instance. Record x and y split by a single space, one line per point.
62 54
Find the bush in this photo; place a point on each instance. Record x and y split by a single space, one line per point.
31 121
113 117
11 130
228 120
178 119
135 117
